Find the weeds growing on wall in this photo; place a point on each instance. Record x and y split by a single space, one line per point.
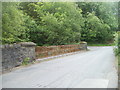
26 61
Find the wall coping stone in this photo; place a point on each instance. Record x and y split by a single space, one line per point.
82 42
24 44
10 45
27 44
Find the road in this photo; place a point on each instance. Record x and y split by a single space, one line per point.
90 69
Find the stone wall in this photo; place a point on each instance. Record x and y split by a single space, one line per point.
83 45
15 54
48 51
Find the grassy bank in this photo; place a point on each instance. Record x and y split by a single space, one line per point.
89 44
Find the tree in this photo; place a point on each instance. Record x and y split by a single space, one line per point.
103 30
12 23
55 23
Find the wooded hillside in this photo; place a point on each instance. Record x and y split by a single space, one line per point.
58 23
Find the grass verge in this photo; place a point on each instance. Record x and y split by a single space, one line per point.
89 44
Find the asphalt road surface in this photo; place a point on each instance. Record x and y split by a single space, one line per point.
90 69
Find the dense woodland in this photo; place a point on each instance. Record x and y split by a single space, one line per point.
59 23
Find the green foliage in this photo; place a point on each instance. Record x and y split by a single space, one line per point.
117 42
12 23
56 23
101 21
106 11
26 61
95 30
97 44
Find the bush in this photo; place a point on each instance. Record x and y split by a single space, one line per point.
117 42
